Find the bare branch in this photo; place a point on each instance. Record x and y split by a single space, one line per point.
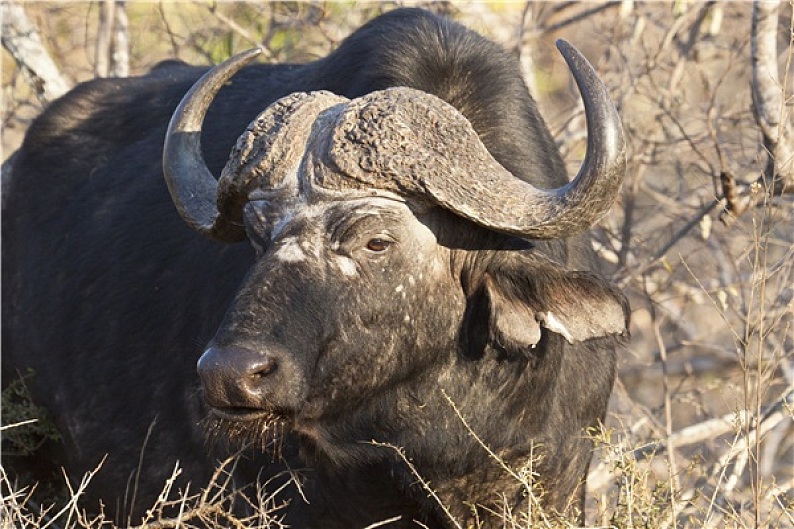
21 38
771 111
239 30
120 55
577 17
104 38
708 430
112 43
768 97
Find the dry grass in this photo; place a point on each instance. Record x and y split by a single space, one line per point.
218 504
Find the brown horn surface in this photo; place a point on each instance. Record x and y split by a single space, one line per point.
267 154
192 186
411 142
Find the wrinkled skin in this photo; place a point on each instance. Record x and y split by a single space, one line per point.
110 298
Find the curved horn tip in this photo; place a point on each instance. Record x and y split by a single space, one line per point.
248 55
563 45
190 111
192 186
573 56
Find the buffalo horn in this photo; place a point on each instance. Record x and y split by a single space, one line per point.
496 199
192 186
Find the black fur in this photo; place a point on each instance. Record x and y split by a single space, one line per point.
109 298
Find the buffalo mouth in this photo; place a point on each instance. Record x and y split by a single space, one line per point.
243 427
240 414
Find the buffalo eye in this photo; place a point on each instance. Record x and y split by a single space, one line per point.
258 241
377 245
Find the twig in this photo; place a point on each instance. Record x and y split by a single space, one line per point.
237 28
384 522
524 478
422 481
578 17
668 417
74 496
139 468
17 424
627 274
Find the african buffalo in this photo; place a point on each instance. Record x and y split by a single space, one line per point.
391 266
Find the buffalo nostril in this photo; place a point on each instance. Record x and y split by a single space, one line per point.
263 368
223 368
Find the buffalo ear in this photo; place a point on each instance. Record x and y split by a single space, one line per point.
576 305
513 324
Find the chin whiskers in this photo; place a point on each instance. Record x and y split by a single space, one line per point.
264 434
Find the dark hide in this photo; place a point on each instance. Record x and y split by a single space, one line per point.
109 298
